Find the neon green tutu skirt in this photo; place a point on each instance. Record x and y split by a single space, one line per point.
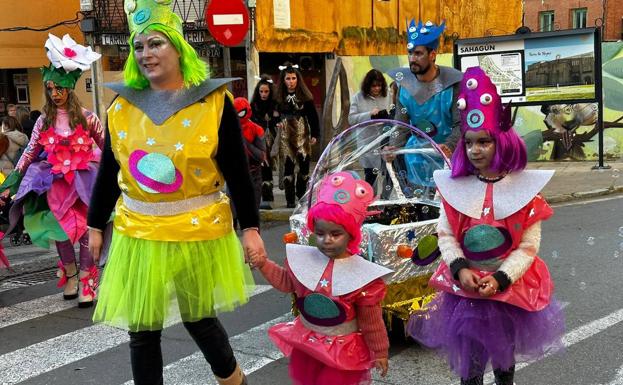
144 279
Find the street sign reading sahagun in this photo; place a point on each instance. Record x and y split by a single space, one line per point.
535 68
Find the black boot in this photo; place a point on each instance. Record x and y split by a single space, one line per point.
472 381
288 186
301 185
504 377
267 195
267 191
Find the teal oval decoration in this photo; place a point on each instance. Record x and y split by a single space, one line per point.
482 238
142 16
320 306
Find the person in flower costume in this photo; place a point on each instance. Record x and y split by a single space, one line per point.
496 303
52 180
339 335
173 141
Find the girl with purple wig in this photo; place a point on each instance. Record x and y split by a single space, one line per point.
496 303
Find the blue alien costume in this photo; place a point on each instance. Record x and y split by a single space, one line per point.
430 106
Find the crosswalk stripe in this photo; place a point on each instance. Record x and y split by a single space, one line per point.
33 360
253 350
42 357
35 308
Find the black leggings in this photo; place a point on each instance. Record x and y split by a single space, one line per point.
209 335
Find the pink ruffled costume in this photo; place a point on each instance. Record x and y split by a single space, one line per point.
335 339
492 228
340 330
59 166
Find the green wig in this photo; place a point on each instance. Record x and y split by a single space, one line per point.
194 70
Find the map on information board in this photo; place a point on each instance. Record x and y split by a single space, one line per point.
504 69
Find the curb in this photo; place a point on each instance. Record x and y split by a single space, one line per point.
558 198
283 215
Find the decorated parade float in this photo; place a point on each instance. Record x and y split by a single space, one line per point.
399 232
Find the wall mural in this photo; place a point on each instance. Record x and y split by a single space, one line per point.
556 132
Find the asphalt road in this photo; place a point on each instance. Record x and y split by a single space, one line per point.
45 340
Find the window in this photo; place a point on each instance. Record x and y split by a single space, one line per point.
546 21
578 18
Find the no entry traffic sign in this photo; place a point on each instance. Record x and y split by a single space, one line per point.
228 21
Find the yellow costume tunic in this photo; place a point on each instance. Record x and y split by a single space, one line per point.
189 139
173 236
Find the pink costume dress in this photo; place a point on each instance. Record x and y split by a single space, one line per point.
55 174
491 228
339 331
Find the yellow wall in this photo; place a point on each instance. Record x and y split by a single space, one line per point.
24 49
371 27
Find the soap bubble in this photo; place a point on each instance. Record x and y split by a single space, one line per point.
590 241
375 171
582 285
572 272
425 209
554 254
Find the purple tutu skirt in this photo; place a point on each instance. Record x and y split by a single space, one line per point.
476 334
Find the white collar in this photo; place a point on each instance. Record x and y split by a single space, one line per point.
511 194
307 263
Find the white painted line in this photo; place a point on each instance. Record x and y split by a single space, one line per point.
253 350
28 310
578 334
231 19
587 201
31 361
618 379
23 364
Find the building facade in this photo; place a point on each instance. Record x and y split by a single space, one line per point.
22 52
553 15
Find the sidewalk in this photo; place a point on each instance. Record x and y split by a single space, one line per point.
572 180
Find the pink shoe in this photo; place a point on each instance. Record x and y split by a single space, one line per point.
89 280
68 280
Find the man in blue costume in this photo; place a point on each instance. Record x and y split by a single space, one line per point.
427 96
427 92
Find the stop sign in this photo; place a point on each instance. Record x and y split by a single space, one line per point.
228 21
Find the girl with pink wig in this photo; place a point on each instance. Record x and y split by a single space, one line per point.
496 303
339 335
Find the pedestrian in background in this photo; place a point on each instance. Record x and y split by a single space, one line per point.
371 102
23 116
254 145
17 141
11 110
298 130
264 108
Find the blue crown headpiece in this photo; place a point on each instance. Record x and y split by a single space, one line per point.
424 34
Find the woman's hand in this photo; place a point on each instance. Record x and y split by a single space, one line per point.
488 286
374 112
469 280
313 141
252 244
96 240
381 364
